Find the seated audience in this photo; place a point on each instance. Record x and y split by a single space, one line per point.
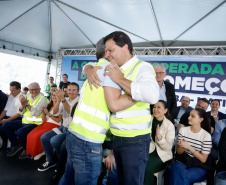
11 110
180 110
203 103
162 139
25 91
65 82
53 139
17 131
215 113
194 146
220 178
50 121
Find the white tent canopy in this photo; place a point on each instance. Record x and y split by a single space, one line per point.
42 27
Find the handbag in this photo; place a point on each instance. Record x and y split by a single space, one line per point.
209 165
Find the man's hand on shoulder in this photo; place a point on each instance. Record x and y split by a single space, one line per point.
114 72
93 78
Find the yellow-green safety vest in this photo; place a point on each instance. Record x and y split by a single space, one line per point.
27 117
91 117
135 120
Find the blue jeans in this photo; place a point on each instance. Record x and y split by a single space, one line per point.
83 162
112 178
181 174
51 140
131 155
17 132
220 178
10 128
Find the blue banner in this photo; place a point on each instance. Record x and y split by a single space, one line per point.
192 76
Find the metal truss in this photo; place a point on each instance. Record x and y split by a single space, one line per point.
157 51
59 67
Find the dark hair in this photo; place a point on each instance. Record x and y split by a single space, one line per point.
205 124
16 84
167 114
74 83
64 87
54 85
25 88
65 75
50 105
100 49
216 100
204 100
120 39
73 109
51 77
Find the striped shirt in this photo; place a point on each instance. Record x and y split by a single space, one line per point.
201 140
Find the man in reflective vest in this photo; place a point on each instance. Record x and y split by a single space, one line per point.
32 117
131 127
89 127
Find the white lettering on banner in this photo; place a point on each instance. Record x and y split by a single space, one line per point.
170 78
209 87
197 84
180 82
212 85
223 86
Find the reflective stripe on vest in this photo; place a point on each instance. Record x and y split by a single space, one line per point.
132 113
95 112
33 118
139 126
135 120
89 125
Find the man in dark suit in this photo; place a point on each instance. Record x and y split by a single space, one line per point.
167 91
180 110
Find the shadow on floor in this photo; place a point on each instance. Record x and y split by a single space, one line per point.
14 171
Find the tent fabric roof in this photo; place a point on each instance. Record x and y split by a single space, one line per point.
50 25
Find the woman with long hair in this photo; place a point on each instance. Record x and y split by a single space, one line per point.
50 121
162 138
193 148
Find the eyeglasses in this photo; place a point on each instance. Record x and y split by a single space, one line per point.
33 89
159 73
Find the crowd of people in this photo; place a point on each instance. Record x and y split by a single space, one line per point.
124 106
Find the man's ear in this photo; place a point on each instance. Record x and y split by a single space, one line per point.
125 47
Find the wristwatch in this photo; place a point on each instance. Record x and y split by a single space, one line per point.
63 101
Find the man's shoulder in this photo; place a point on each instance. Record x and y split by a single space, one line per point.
189 109
220 122
186 114
168 84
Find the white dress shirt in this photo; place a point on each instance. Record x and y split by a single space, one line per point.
163 93
144 88
13 104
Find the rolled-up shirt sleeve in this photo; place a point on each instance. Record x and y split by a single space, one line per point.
145 87
36 111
